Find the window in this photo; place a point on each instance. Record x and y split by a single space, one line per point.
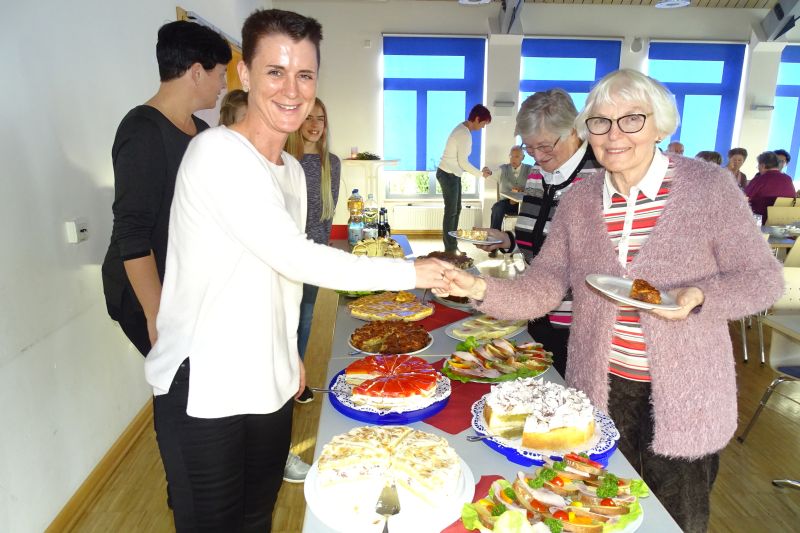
570 64
705 80
784 131
429 85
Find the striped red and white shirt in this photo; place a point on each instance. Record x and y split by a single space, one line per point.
629 222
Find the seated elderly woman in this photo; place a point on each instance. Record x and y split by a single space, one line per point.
666 378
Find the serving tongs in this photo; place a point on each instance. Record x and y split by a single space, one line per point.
388 504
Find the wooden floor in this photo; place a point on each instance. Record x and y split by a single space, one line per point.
743 499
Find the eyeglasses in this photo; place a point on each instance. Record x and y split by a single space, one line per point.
627 124
542 148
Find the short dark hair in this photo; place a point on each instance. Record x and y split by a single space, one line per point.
480 112
181 44
768 159
710 156
737 151
784 153
263 22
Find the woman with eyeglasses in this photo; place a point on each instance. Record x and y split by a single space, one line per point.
546 124
666 378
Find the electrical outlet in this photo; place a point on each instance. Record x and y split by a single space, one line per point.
77 230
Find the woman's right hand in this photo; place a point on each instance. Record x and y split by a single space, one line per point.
498 235
431 273
463 283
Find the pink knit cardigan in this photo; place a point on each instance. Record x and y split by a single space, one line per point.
706 237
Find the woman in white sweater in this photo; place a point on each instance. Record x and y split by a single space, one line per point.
236 263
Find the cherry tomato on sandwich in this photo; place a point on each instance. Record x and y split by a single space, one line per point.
557 481
607 502
561 515
539 506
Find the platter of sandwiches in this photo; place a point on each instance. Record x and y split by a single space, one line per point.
496 360
484 327
389 389
529 419
390 305
432 481
575 494
475 236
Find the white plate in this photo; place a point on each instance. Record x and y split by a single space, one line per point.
414 517
619 288
473 241
455 305
454 325
430 342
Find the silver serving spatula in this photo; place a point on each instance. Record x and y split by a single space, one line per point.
388 504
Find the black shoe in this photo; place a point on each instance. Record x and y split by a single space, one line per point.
306 397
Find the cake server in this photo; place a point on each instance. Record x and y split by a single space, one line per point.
388 504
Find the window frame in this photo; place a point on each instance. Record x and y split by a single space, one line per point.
473 84
733 55
790 54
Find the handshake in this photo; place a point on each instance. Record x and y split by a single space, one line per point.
446 279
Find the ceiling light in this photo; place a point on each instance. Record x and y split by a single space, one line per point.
671 4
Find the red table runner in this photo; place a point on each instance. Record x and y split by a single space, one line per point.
481 490
442 316
457 414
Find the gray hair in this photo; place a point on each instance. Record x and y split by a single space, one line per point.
768 159
516 148
631 86
547 111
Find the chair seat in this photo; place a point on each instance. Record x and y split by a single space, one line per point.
793 371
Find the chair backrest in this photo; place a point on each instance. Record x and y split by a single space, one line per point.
784 349
779 216
784 202
793 256
790 301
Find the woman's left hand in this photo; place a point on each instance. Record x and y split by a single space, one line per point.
302 386
687 297
431 273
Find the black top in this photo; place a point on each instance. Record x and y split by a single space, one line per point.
147 152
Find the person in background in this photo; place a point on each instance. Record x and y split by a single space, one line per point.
147 150
233 107
226 366
736 158
309 145
769 183
513 176
783 158
710 156
675 147
546 124
666 378
455 161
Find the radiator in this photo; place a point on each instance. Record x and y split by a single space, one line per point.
429 218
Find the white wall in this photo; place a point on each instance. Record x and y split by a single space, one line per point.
69 380
350 83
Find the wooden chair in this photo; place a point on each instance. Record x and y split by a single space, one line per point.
787 304
784 202
779 216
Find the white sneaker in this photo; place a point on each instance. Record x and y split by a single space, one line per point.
295 470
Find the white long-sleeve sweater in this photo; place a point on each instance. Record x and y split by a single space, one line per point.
236 260
456 151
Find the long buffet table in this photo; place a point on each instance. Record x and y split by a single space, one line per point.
481 459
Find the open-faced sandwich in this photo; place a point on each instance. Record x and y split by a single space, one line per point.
644 292
556 498
497 360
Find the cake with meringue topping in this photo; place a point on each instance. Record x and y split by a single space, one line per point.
546 416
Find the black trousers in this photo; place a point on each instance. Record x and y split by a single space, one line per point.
500 209
553 339
451 193
683 486
224 473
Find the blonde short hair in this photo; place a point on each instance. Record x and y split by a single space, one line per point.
631 86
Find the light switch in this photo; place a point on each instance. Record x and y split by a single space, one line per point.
77 230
